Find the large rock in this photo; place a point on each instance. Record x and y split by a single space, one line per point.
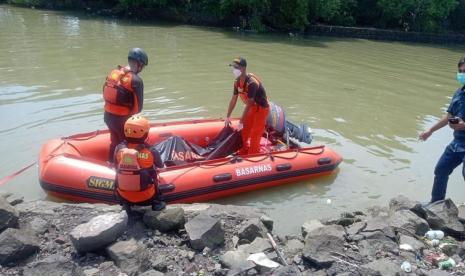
318 249
268 222
416 244
372 246
407 220
15 246
444 215
204 231
331 230
258 245
402 202
288 270
251 229
293 247
99 231
170 219
130 256
236 260
37 226
8 215
309 226
375 228
54 265
383 267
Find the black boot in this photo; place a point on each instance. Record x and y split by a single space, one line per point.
158 205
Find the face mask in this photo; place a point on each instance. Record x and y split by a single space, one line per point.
461 78
236 72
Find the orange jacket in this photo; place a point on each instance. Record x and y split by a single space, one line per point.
119 94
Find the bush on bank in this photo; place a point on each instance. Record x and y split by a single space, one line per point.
282 15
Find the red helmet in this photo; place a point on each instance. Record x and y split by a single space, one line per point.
136 127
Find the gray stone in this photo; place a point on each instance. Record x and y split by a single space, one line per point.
267 221
54 265
293 247
437 272
170 219
37 226
258 245
406 220
15 246
375 228
444 215
371 247
236 260
289 270
450 249
251 229
130 256
402 202
331 230
383 267
159 263
318 249
309 226
15 199
204 231
98 232
91 272
8 215
416 244
152 273
4 194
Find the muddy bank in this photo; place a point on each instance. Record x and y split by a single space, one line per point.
46 238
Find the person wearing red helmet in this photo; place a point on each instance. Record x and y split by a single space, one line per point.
250 89
136 177
123 93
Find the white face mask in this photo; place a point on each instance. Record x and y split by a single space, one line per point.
236 72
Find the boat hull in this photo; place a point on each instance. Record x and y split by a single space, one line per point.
74 168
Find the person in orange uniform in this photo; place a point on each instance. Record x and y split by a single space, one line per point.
136 177
123 93
253 94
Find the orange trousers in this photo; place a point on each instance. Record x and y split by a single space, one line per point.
254 127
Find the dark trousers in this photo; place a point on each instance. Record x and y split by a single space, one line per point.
116 126
449 160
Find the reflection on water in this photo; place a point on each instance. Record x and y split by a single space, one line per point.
367 100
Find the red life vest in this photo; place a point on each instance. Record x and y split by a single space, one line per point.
133 175
120 98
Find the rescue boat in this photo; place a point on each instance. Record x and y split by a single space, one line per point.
75 168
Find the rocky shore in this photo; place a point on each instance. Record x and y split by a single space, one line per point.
47 238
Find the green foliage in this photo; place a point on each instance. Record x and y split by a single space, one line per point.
337 12
416 15
282 15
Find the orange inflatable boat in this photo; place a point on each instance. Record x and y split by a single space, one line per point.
75 167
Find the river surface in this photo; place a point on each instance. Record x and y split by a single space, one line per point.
367 100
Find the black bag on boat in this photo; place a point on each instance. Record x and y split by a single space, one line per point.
177 151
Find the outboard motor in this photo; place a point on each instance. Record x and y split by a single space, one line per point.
302 133
276 123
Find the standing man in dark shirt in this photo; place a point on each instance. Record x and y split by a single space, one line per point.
455 151
253 94
123 92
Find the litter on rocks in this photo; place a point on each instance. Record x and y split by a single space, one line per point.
262 260
406 267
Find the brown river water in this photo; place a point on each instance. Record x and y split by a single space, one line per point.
367 100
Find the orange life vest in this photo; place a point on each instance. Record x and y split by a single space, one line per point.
119 83
134 175
242 86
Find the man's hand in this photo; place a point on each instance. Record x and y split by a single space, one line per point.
425 135
227 122
240 126
459 126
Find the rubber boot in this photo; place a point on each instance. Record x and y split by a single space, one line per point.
158 205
